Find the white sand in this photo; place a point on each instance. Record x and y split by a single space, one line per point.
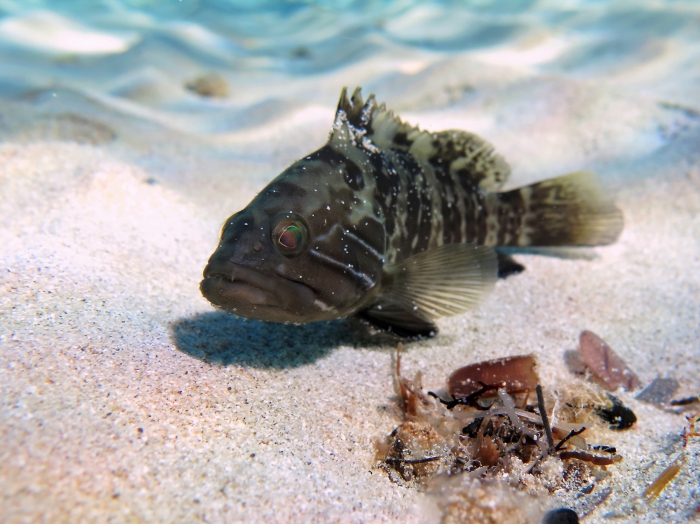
126 397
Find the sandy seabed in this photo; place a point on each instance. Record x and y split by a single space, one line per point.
126 397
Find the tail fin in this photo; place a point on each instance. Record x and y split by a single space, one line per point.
571 210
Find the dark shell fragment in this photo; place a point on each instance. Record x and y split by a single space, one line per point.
618 416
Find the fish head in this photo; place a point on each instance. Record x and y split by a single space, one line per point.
294 254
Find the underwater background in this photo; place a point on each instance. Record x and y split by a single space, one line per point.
130 130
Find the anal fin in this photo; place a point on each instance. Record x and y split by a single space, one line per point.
507 265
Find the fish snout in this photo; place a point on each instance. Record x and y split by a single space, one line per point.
255 293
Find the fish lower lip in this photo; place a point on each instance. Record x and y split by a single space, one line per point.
235 274
255 293
228 293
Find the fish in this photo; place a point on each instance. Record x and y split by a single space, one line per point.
395 225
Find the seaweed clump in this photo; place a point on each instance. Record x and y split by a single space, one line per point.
486 431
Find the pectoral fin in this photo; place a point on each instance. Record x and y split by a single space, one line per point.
439 282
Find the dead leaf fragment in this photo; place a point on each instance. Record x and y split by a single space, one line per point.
605 364
517 373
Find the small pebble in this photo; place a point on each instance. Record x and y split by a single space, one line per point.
659 392
560 516
211 85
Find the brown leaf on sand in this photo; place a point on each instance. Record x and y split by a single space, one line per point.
518 374
605 364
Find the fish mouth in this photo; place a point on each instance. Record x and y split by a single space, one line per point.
254 293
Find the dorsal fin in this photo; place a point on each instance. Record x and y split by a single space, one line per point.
366 124
371 126
468 156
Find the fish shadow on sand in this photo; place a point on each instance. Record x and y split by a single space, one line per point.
223 339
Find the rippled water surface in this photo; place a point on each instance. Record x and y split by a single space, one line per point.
139 56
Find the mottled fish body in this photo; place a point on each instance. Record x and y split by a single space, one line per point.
394 224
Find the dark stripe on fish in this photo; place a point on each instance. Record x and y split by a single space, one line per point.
386 190
476 228
371 232
353 174
510 215
451 215
285 189
340 267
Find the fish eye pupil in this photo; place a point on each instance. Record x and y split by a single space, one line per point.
290 234
291 237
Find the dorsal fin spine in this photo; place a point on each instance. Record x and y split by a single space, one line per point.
367 124
357 98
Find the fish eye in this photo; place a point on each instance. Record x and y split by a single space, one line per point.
290 235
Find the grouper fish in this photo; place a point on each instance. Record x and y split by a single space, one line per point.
396 225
